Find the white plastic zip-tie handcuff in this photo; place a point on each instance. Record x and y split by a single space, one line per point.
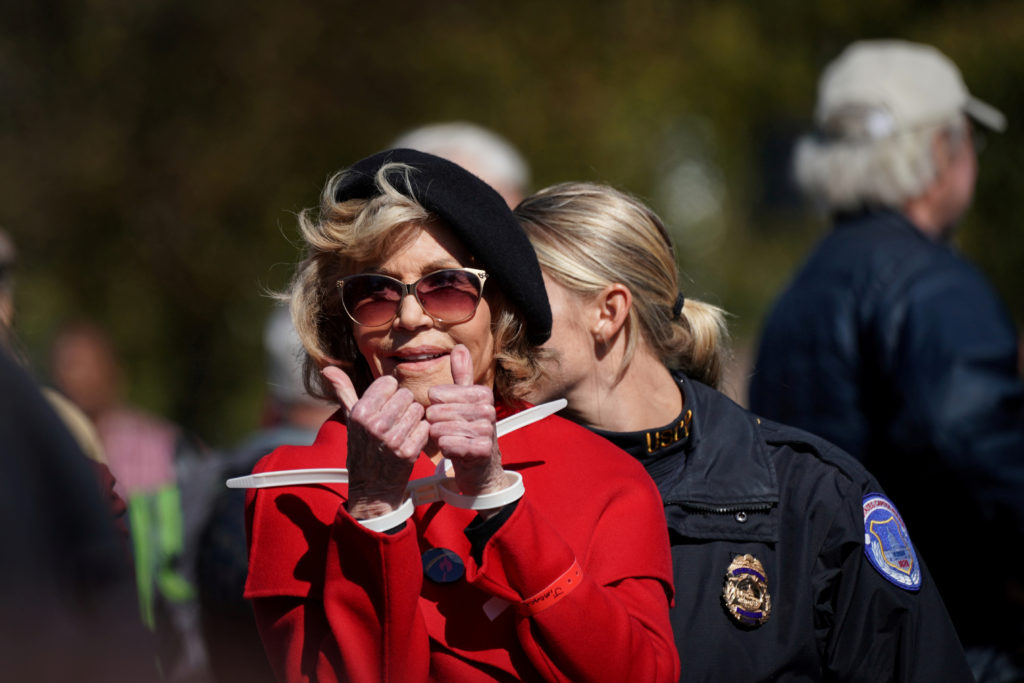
421 491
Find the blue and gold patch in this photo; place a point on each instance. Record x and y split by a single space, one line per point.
887 543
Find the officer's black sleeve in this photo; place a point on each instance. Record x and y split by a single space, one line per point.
869 628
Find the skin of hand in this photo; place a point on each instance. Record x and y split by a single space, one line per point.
387 430
386 433
462 423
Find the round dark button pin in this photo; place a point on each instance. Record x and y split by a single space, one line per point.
442 565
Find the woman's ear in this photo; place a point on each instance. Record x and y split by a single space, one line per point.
611 309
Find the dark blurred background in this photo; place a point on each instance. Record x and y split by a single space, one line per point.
153 153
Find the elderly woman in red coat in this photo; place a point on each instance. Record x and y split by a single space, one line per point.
457 550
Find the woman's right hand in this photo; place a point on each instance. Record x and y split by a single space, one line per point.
386 432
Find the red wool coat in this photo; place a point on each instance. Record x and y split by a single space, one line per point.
336 601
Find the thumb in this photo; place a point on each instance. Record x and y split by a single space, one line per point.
343 386
462 365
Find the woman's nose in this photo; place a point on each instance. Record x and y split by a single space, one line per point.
410 314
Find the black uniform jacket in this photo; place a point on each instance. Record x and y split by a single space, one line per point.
740 485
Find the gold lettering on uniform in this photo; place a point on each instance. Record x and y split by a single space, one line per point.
660 438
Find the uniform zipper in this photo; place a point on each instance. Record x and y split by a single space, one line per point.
727 509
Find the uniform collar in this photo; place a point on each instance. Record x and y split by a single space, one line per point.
727 462
724 487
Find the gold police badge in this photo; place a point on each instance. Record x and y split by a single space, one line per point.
745 591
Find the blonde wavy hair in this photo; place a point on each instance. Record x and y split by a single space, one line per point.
343 238
589 235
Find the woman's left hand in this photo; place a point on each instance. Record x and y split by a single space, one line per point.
462 424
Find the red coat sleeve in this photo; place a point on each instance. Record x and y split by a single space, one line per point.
369 612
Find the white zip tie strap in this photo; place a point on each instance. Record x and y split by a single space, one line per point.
391 519
487 501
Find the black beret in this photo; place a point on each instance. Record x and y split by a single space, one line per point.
477 215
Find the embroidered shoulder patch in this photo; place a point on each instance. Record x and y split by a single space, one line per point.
887 543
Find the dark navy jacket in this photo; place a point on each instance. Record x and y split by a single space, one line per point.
741 485
896 349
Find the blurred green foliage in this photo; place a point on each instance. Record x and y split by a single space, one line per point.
153 152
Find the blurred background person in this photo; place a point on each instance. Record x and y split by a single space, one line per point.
480 151
774 580
291 416
81 428
67 609
890 344
150 458
67 602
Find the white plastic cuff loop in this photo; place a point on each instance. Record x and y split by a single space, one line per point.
391 519
487 501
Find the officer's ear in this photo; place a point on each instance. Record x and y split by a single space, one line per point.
612 306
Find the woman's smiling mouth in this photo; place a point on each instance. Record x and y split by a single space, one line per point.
410 358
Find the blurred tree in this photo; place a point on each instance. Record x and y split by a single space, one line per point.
153 153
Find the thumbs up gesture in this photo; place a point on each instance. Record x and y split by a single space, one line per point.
387 430
461 418
386 433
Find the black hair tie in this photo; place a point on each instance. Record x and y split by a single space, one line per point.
677 308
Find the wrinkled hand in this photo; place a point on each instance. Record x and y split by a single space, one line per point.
386 432
461 418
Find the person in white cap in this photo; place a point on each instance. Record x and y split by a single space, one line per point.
890 344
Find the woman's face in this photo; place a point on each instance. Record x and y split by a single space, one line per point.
566 373
414 348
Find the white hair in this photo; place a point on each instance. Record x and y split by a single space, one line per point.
482 152
284 358
847 174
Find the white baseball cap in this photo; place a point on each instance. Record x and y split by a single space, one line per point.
876 88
